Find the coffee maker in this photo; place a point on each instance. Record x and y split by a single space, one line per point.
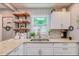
64 33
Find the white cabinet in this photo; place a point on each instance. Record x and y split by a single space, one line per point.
60 20
14 52
0 27
17 51
43 49
65 49
64 44
20 50
46 51
65 20
55 20
31 49
39 49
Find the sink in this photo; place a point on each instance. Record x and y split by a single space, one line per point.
39 39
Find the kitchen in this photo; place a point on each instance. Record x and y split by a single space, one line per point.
49 29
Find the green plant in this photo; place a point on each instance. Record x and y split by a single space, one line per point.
32 34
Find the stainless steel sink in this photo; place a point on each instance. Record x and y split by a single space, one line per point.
39 39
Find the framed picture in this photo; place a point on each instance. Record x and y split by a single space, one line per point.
7 21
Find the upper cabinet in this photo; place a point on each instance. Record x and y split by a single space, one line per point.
60 20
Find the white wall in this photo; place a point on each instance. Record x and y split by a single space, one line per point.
6 34
45 12
74 9
39 12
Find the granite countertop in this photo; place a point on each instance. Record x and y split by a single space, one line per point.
53 40
8 45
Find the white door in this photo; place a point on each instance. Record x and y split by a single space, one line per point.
39 49
17 51
46 49
56 20
1 28
20 50
60 20
65 51
32 49
14 52
65 20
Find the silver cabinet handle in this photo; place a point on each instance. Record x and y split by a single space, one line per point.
40 52
61 25
65 48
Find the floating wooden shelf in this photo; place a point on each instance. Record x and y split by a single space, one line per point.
19 29
21 14
21 22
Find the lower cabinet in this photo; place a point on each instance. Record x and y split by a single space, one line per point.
46 51
32 51
20 50
17 51
39 49
42 49
65 51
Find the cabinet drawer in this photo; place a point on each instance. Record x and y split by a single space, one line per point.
46 51
65 51
31 45
32 51
65 44
45 45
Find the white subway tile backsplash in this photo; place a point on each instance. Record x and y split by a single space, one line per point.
55 34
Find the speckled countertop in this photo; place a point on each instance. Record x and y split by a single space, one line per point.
8 45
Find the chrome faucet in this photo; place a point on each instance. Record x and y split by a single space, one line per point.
39 33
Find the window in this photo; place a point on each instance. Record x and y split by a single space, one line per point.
40 21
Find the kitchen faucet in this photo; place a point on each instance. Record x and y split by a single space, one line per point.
39 33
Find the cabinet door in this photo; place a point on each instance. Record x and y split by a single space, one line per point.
38 49
0 21
17 51
65 21
31 49
1 34
14 52
20 50
64 44
46 49
56 20
65 51
60 20
1 28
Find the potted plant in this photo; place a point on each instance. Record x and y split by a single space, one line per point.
32 34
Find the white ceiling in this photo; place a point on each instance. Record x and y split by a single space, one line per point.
40 5
15 6
2 6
